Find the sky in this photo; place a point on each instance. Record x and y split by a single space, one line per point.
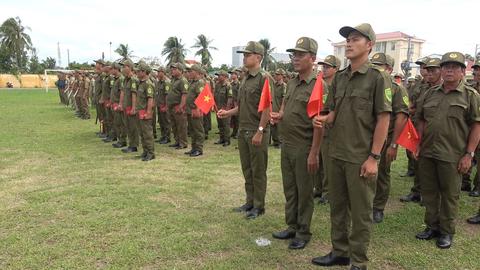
87 27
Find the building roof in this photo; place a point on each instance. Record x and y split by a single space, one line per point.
389 36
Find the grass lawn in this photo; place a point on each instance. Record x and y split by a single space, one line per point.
70 201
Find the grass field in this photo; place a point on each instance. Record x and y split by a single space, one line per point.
70 201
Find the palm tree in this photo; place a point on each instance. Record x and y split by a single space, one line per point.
124 51
203 43
14 38
268 60
174 50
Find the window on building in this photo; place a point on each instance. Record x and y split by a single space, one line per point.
392 45
380 47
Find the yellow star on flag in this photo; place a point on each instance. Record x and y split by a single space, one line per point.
206 99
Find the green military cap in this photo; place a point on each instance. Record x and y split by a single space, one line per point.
142 66
331 60
221 72
197 68
253 47
179 66
116 65
398 75
422 61
453 57
305 44
390 61
127 62
365 29
411 79
235 70
477 63
100 61
162 69
108 64
433 62
280 71
418 77
379 59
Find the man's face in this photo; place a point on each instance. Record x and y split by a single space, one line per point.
357 45
98 68
476 74
278 77
222 78
234 76
302 61
160 75
175 72
433 74
423 70
452 72
250 60
328 71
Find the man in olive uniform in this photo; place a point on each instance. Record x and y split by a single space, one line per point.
398 119
301 145
117 108
130 84
223 100
78 91
420 88
105 100
176 101
253 130
449 128
359 110
195 115
162 88
207 118
330 66
143 107
476 84
99 64
278 92
84 98
235 83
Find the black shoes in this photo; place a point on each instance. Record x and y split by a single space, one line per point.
411 197
148 157
119 145
174 145
474 193
427 234
243 208
283 235
323 199
225 144
109 139
445 241
297 244
219 142
180 147
129 150
466 187
188 152
254 213
377 216
331 260
164 140
474 220
196 153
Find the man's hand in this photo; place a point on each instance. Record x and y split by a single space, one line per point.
464 164
222 114
369 168
391 154
319 121
275 117
257 138
312 162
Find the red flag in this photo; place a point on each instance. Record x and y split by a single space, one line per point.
409 137
265 98
205 100
398 80
315 103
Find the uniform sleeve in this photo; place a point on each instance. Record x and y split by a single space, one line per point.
134 85
400 100
329 100
474 110
184 87
150 91
229 91
419 106
383 94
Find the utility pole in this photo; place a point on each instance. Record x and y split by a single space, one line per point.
110 51
59 56
68 58
476 51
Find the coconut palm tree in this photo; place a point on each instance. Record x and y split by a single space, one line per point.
13 36
174 50
268 62
124 51
203 43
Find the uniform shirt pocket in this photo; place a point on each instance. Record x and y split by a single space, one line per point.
457 110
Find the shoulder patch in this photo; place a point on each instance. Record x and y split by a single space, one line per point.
388 94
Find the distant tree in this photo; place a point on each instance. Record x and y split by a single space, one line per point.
49 63
124 51
174 50
34 65
75 65
13 36
268 59
203 43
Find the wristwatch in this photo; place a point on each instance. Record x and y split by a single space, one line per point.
260 129
471 154
394 145
375 156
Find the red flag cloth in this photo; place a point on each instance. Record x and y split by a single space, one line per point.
205 100
315 103
265 98
398 80
409 137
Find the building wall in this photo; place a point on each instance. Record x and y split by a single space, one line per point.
237 58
